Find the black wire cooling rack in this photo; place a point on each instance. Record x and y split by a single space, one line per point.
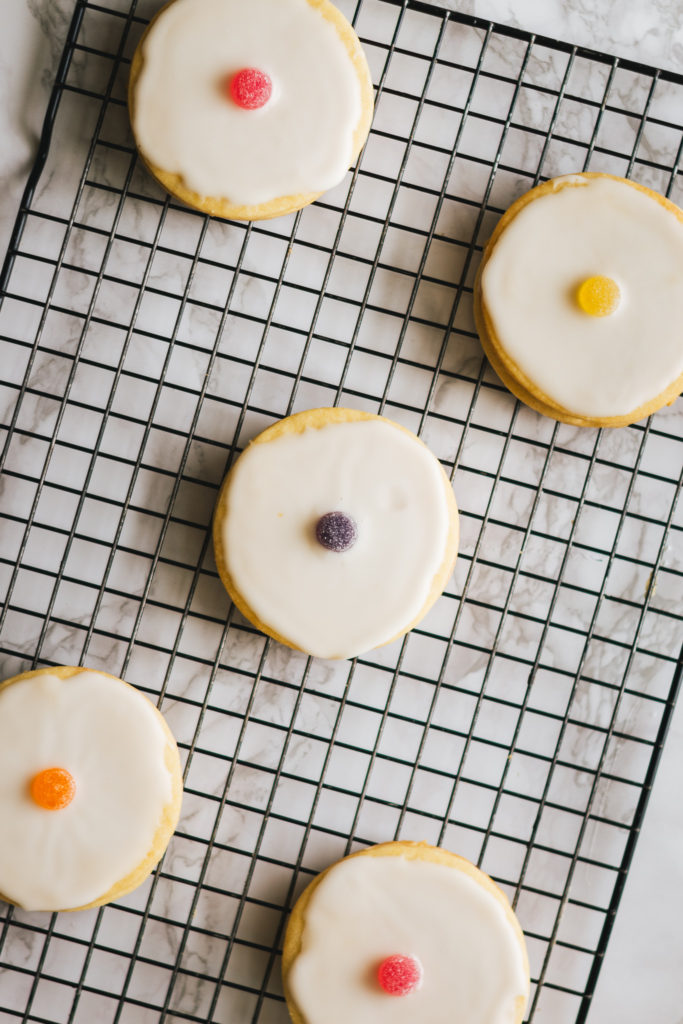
144 344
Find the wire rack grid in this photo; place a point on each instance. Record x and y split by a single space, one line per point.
144 344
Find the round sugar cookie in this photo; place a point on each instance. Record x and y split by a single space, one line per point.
335 531
579 300
249 109
90 788
404 932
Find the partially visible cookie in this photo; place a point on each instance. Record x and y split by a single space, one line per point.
335 531
90 788
249 109
403 933
579 300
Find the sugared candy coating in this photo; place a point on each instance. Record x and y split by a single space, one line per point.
399 975
336 531
598 296
250 88
53 789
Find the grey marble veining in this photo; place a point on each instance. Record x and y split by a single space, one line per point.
651 33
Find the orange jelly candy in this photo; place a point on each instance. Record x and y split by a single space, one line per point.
53 789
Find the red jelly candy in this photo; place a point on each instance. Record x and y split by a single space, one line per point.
399 975
250 88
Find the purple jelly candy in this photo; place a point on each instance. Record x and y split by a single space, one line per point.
336 531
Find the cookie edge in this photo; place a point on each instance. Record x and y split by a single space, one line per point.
297 423
281 205
514 379
170 813
409 850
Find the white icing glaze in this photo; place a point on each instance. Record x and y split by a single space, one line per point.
301 141
592 366
367 908
330 604
109 737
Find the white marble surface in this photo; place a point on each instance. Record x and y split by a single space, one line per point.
643 974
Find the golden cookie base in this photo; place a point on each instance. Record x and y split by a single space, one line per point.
217 206
296 424
409 851
169 815
509 372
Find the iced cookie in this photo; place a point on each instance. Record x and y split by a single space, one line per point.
90 788
579 300
249 109
335 531
403 933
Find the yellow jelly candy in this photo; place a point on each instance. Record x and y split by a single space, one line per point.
598 296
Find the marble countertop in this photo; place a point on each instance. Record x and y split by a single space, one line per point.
642 977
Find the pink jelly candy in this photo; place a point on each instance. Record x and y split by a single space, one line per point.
250 88
399 975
